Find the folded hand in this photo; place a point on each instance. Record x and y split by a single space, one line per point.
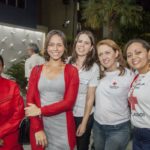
32 110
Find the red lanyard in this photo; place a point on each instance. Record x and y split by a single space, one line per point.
131 86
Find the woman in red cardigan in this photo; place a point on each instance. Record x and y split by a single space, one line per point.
51 95
11 112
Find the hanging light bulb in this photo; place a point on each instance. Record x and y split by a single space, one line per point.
12 60
1 52
4 39
11 45
19 52
23 40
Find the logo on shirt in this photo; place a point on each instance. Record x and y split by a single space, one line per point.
114 85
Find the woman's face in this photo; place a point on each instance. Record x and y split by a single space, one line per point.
56 47
83 45
137 57
107 57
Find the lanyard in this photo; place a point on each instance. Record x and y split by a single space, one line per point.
132 99
131 86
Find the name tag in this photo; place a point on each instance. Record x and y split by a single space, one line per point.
132 102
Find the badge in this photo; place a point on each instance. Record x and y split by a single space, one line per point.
132 102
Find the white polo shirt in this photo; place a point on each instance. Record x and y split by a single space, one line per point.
88 78
32 61
111 105
140 110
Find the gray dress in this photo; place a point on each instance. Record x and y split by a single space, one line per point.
55 127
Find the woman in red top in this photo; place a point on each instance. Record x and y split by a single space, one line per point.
51 95
11 112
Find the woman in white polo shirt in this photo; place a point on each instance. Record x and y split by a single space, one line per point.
111 129
84 57
138 57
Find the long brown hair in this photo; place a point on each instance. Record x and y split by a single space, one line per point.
91 56
49 36
2 60
120 59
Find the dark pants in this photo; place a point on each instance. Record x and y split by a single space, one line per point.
141 139
84 140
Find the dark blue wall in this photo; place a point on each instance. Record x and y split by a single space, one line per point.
22 17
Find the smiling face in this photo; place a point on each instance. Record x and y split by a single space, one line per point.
83 45
56 47
137 57
107 57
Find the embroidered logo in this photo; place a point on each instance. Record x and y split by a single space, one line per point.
114 85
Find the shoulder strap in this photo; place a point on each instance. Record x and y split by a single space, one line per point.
135 78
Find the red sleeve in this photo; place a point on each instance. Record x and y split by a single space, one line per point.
67 103
36 124
13 123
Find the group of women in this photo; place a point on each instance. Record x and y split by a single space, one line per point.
93 88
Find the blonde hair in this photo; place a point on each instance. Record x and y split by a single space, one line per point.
120 59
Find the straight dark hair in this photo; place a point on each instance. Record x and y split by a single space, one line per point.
2 60
91 56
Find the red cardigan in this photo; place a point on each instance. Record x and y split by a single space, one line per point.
11 113
64 105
